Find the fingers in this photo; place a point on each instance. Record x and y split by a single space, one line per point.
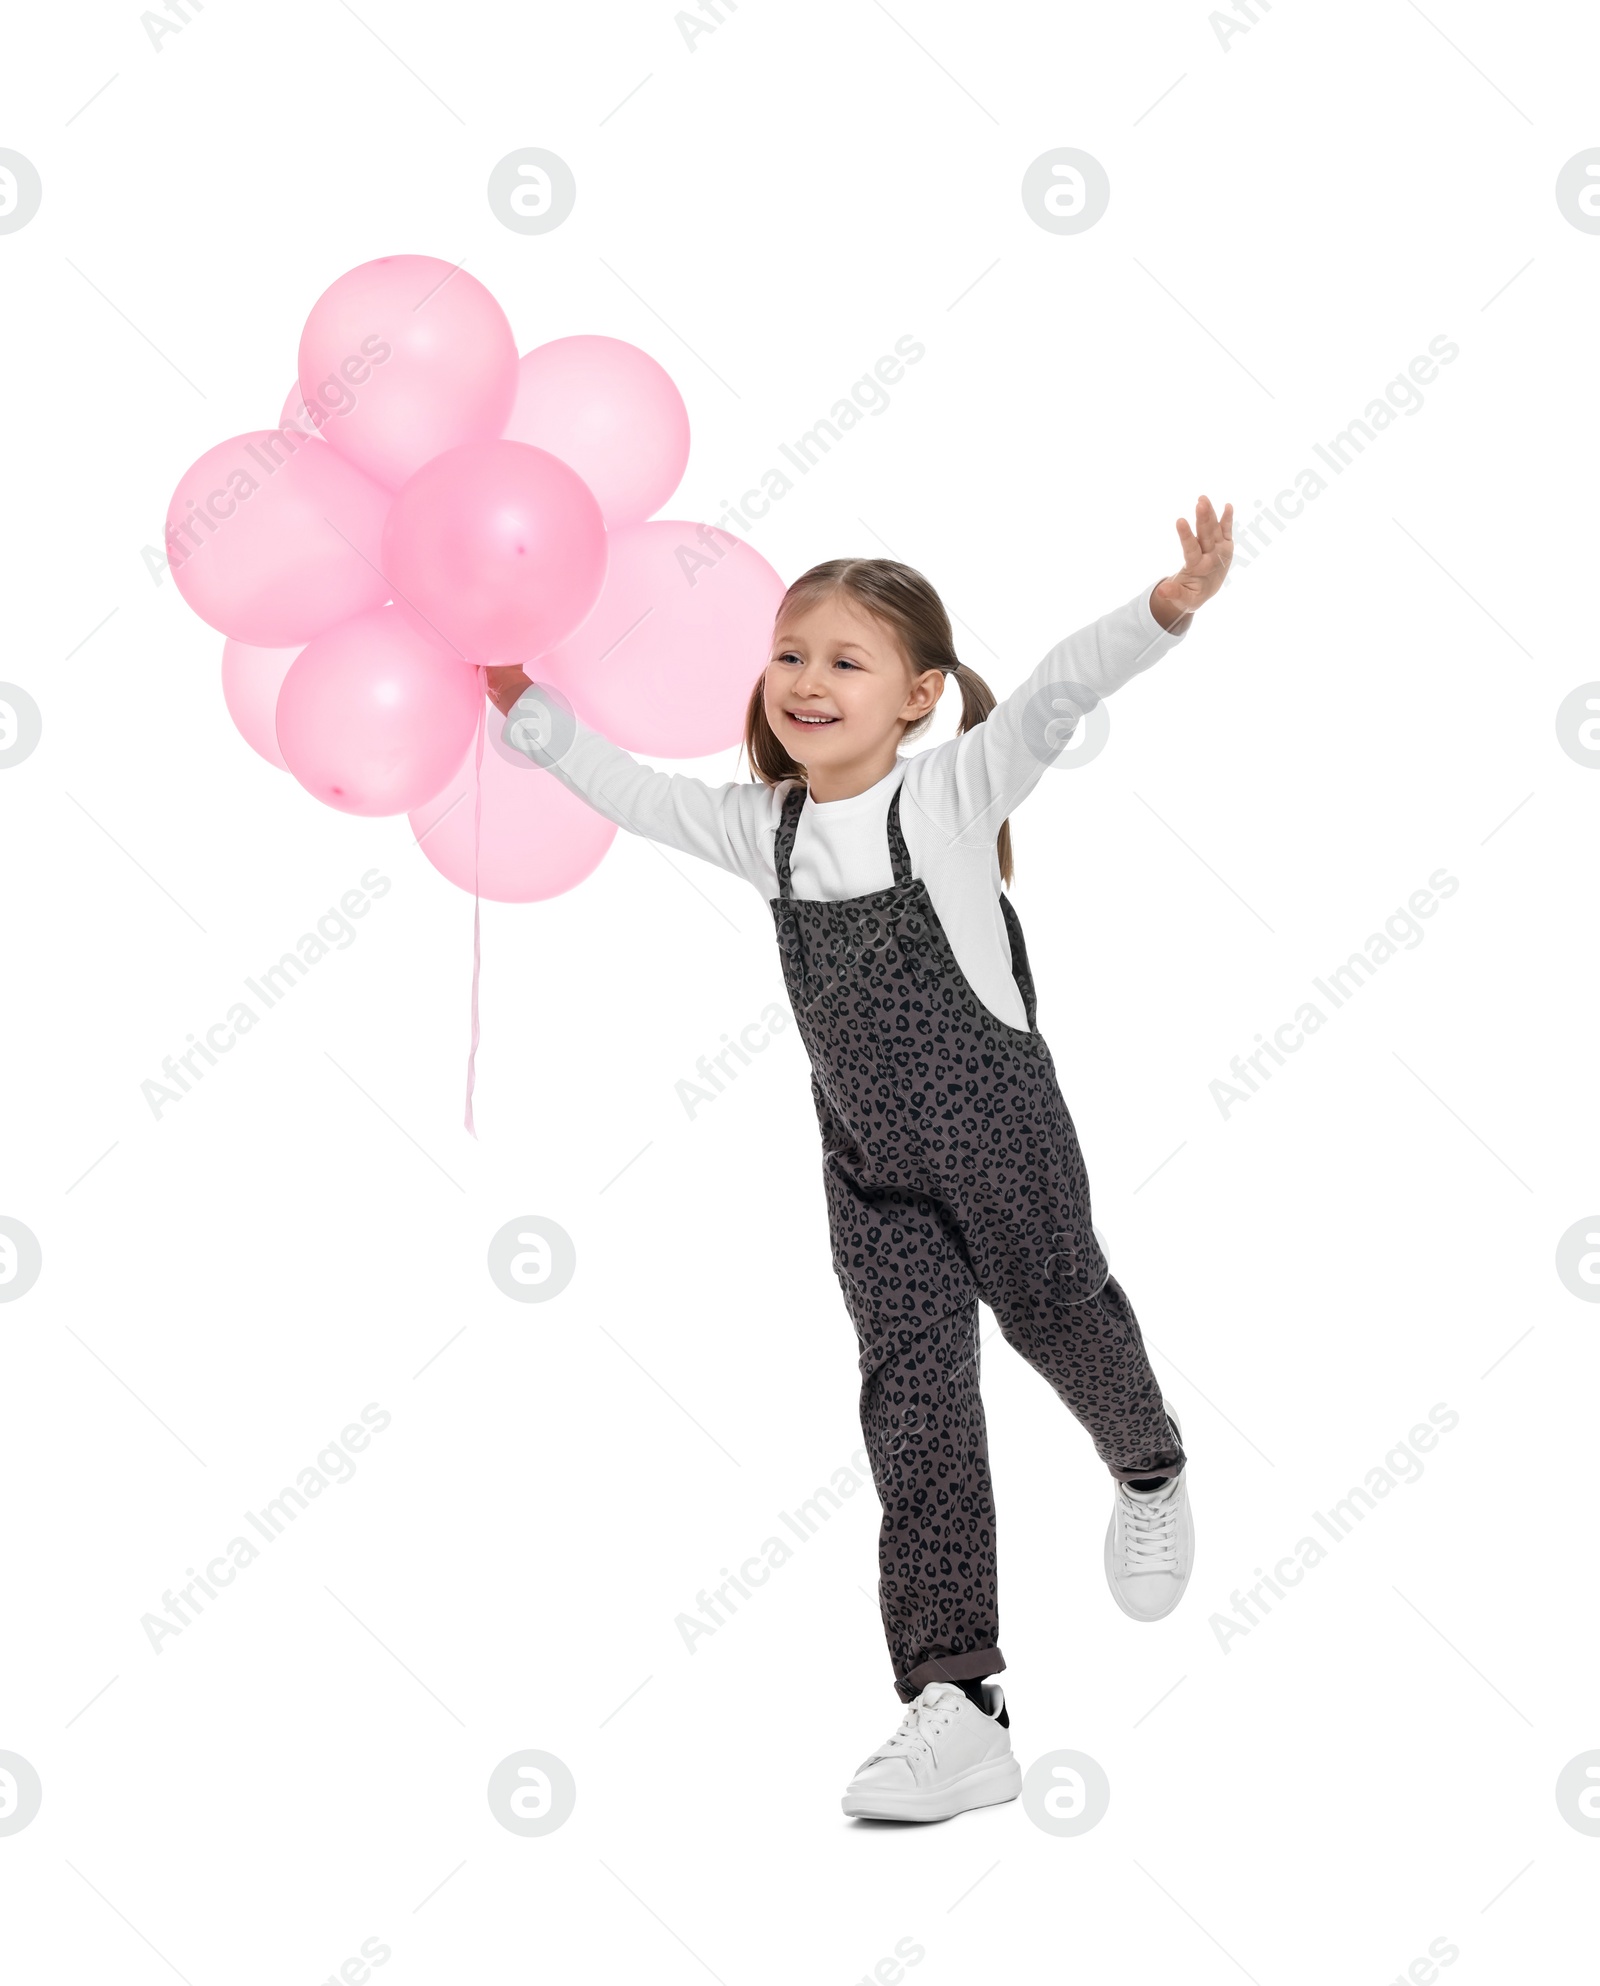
1215 534
1213 530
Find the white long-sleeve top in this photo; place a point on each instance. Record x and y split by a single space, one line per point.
954 798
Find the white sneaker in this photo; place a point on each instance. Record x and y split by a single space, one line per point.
1150 1545
946 1756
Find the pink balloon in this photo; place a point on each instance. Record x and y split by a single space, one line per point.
272 539
668 657
496 549
610 412
410 356
373 718
296 414
537 839
251 680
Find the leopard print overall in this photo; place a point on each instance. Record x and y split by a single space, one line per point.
952 1174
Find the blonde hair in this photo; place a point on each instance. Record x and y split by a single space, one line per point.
902 599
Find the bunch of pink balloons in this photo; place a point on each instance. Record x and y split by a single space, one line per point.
431 505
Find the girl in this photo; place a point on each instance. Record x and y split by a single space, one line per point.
951 1169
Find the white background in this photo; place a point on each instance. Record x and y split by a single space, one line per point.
1292 220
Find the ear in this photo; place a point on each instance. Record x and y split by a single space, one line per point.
924 694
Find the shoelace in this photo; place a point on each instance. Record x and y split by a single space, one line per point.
1150 1530
923 1721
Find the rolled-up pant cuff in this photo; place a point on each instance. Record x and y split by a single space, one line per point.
1139 1475
1169 1463
949 1669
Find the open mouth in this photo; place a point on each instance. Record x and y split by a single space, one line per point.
813 722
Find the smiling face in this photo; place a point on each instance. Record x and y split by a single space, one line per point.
839 693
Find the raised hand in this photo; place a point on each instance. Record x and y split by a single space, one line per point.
1207 554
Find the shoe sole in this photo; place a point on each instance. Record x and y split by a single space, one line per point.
1186 1538
985 1785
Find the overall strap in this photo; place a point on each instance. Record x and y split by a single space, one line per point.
783 840
899 854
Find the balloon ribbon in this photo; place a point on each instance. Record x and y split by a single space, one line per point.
477 952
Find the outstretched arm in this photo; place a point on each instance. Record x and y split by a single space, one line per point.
720 824
971 784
